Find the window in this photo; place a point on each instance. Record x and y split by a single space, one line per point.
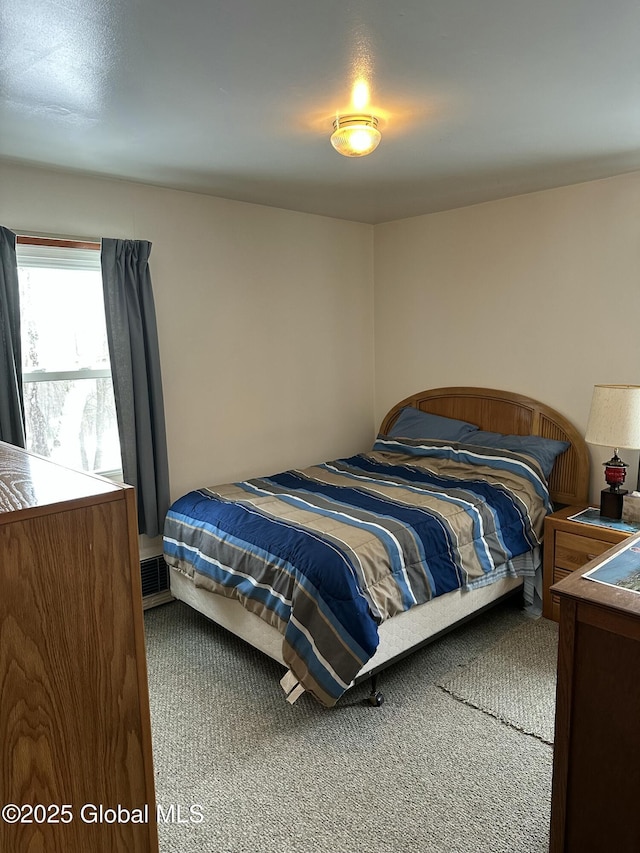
68 393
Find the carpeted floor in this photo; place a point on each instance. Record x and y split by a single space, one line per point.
515 680
425 772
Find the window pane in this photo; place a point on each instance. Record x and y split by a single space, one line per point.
69 418
62 317
73 422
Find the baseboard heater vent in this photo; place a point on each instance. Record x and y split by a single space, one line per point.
155 582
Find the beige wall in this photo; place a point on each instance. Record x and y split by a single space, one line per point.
269 319
538 294
265 318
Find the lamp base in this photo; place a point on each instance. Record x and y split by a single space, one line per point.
611 503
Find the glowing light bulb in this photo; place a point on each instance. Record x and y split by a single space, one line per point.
360 141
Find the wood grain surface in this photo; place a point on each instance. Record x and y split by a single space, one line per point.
74 715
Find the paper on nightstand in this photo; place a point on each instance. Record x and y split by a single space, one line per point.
631 508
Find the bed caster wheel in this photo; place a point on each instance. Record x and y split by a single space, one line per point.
376 699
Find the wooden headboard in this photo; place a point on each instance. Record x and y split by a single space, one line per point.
502 411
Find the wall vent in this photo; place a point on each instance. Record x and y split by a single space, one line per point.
155 582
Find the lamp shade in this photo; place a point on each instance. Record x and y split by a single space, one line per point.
614 419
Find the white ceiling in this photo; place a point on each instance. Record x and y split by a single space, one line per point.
478 99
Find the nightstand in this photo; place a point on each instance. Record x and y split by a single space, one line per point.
569 545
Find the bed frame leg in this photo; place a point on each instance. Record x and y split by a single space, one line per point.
375 698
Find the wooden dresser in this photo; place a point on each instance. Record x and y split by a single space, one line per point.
74 706
596 758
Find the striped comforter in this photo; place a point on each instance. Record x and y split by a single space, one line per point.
327 553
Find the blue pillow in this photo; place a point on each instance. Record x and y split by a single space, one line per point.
412 423
543 450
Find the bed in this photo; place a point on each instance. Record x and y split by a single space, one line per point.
339 569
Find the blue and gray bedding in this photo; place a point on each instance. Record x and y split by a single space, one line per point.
327 553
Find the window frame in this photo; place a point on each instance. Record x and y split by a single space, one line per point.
42 374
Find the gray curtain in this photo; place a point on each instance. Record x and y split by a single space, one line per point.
137 381
11 398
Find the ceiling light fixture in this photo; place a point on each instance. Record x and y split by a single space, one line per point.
355 135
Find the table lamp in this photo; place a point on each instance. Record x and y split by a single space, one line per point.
614 421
